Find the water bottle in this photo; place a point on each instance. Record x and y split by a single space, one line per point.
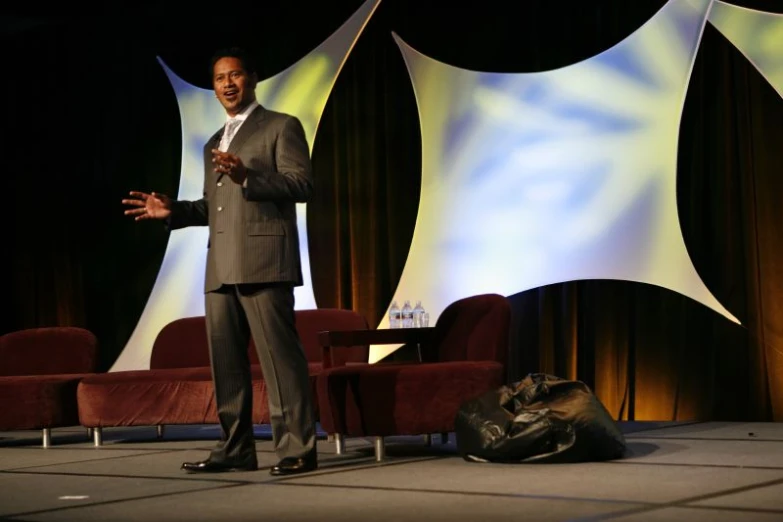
418 311
394 315
407 315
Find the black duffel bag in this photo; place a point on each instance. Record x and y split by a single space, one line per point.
542 419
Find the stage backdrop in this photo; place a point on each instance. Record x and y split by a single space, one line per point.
612 168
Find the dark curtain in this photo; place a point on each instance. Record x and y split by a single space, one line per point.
88 115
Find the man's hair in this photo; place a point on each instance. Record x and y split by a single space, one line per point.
248 64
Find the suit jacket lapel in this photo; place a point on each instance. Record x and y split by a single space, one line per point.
212 143
248 128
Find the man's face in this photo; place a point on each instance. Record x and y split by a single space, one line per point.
234 87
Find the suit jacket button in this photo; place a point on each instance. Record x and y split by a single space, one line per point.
220 183
220 209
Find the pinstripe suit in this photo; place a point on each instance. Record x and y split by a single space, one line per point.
253 265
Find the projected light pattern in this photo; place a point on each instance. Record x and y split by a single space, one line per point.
301 90
758 35
539 178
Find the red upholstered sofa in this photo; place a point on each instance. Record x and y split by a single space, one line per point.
177 389
464 355
40 369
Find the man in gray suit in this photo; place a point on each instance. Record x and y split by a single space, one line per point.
256 169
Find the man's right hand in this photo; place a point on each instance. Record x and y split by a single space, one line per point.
148 206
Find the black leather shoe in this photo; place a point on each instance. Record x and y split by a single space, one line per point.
294 465
215 466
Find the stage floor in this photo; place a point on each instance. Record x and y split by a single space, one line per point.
711 471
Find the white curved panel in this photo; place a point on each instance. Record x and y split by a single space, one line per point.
757 34
531 179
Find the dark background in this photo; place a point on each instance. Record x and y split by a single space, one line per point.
88 114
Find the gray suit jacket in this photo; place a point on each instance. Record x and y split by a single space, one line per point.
253 237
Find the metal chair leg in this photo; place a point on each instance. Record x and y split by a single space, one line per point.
89 433
339 444
47 437
427 439
161 429
380 449
97 437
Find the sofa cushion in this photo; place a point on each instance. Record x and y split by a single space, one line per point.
32 402
162 396
309 323
182 343
56 350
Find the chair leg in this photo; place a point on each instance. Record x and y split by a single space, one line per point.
339 443
47 437
161 429
427 439
97 437
330 437
380 450
89 433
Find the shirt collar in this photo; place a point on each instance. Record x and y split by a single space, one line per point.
242 116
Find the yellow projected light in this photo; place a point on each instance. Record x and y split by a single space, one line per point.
301 90
758 35
539 178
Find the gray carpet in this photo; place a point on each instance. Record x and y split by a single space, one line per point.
674 471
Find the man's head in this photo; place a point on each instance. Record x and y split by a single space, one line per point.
234 79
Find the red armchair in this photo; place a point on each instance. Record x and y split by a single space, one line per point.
40 369
464 356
